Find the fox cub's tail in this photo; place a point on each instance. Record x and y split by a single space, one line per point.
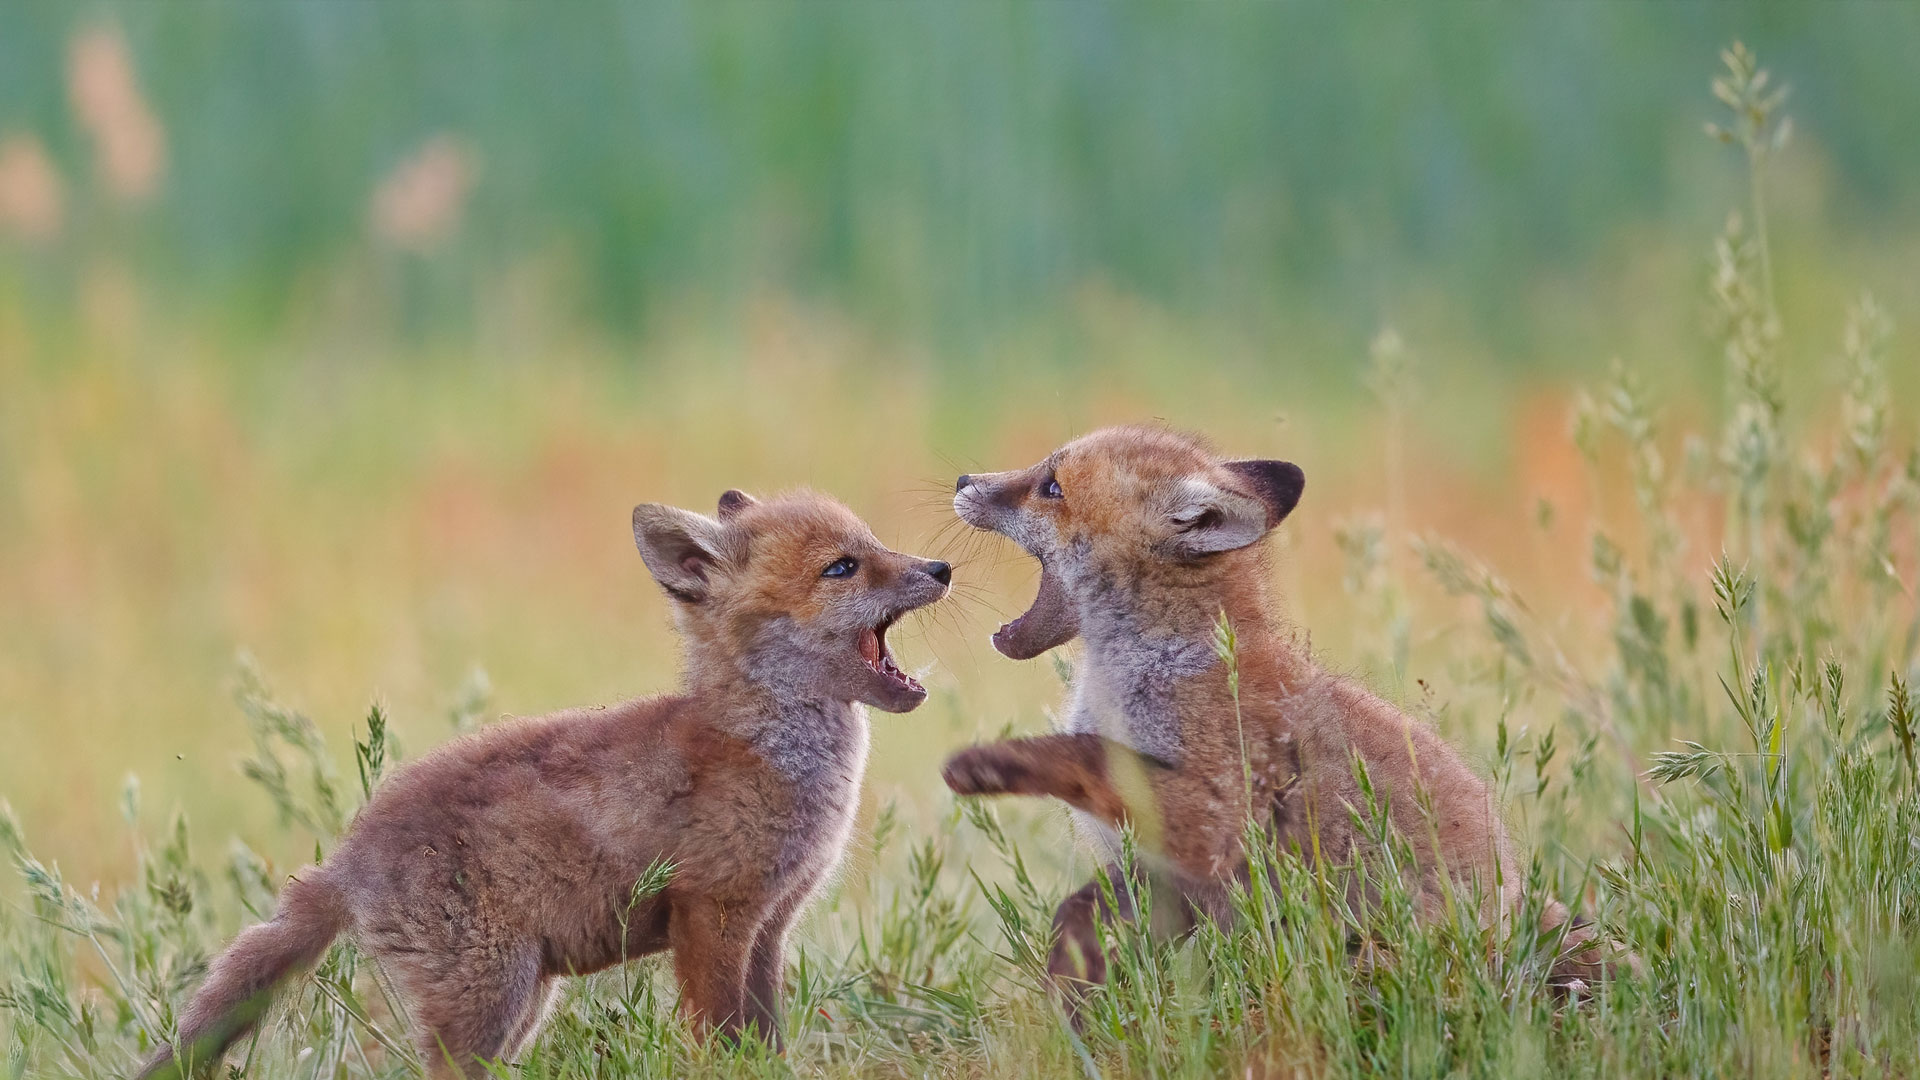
243 979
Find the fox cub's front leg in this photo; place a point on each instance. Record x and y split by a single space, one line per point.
1088 772
711 946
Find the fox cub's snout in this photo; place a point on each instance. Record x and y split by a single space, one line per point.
792 584
1133 497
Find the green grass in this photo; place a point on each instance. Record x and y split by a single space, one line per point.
1703 729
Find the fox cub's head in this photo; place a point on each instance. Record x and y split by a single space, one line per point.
1119 508
794 591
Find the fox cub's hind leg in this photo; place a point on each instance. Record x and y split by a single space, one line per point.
1077 963
1583 958
546 993
475 1009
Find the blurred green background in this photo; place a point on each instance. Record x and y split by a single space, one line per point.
941 171
347 333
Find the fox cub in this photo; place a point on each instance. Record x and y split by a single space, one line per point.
481 873
1145 538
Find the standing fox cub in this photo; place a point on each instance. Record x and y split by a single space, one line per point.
1145 539
483 871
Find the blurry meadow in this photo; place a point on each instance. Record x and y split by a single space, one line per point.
337 342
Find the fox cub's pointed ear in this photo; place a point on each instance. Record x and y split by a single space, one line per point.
1276 483
1208 519
682 549
733 500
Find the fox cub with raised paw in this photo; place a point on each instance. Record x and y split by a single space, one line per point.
1146 540
480 874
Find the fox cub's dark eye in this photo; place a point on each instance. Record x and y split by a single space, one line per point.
1050 488
840 568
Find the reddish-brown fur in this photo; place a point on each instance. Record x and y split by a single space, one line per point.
480 874
1146 539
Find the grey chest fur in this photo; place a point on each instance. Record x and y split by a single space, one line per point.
1134 660
1125 690
821 751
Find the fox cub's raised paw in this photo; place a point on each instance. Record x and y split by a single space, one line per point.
981 770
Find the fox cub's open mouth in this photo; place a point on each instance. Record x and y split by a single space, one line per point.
873 650
1050 621
1047 622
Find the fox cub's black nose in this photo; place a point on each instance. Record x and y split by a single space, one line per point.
961 484
940 572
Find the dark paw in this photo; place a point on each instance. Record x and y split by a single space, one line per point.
978 771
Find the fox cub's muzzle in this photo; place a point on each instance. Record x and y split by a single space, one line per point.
916 583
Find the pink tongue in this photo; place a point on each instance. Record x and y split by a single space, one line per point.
870 646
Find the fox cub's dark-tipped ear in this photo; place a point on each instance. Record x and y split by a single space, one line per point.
682 549
1275 483
1209 518
733 500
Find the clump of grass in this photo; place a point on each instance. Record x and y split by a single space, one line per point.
1722 776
